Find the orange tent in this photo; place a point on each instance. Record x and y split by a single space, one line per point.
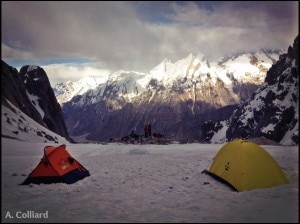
57 166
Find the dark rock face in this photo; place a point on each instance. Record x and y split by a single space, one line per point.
272 110
170 112
13 89
31 92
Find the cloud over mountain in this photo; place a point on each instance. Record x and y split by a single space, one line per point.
119 34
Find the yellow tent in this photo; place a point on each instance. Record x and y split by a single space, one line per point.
246 166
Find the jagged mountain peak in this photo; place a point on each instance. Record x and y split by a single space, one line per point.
168 72
201 56
66 91
245 68
33 73
30 91
272 111
178 95
166 60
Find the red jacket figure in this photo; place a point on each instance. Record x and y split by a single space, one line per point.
146 130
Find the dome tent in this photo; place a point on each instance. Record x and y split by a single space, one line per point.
245 166
57 166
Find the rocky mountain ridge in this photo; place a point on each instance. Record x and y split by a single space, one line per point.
29 90
191 100
246 68
174 97
272 111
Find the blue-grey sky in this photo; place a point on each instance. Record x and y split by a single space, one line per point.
139 35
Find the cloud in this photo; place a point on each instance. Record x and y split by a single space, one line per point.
139 35
58 73
238 26
12 53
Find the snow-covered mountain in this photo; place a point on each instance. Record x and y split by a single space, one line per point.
29 91
174 97
190 72
189 99
272 111
66 91
17 125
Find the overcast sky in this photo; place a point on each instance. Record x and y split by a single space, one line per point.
138 35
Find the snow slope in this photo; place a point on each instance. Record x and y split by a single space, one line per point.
143 183
17 125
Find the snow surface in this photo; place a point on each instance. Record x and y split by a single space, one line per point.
31 68
35 102
220 135
143 183
17 125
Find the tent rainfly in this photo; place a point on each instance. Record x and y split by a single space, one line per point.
245 166
57 166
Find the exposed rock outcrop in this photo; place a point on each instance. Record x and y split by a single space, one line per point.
31 92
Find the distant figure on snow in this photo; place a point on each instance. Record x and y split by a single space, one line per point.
146 130
134 135
149 129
